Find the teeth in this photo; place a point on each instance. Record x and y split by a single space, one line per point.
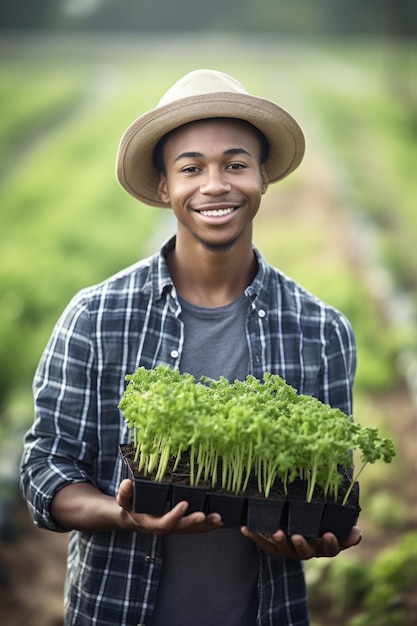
217 212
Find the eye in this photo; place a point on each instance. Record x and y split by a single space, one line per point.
236 166
190 169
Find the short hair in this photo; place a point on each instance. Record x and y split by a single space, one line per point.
158 153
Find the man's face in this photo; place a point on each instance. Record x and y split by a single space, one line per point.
214 181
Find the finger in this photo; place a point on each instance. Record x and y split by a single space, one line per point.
260 538
354 538
326 546
154 525
331 546
257 538
304 549
169 521
199 523
125 494
276 544
175 521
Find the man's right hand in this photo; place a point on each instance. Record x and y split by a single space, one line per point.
174 522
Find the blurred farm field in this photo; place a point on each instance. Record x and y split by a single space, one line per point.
373 126
65 222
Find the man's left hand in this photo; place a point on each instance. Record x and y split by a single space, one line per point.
298 547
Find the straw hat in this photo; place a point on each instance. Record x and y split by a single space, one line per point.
199 95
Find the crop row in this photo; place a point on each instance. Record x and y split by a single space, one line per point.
65 224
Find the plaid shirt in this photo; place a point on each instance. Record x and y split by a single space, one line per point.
109 330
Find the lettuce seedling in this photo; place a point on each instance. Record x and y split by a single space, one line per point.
232 431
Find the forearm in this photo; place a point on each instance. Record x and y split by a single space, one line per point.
83 507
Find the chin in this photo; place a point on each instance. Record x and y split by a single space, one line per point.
218 246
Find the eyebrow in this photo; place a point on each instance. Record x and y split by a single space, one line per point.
195 155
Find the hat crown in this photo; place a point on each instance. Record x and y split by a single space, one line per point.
200 83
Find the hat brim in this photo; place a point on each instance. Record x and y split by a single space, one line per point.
136 172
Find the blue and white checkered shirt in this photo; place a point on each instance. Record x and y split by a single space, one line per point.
109 330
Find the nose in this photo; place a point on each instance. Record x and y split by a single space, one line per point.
214 182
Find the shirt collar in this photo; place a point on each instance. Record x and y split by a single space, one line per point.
258 289
162 281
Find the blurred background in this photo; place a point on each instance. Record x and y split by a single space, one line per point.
73 75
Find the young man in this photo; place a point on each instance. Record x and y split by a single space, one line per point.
207 303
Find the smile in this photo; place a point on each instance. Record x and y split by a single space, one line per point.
217 212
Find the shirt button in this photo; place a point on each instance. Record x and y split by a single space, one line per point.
261 313
174 354
148 559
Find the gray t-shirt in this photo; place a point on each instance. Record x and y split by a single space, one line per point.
215 341
210 578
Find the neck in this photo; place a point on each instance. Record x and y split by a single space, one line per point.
211 278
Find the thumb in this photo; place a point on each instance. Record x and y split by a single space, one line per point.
125 494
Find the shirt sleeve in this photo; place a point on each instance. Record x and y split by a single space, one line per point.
339 364
60 446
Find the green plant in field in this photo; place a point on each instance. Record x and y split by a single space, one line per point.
388 511
339 583
52 94
374 590
66 223
262 428
390 575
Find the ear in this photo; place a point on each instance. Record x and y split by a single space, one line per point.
264 178
163 189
